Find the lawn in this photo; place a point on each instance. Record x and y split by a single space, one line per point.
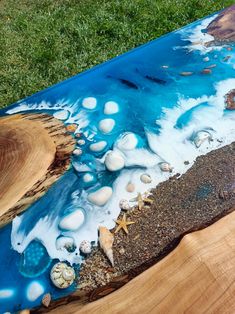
46 41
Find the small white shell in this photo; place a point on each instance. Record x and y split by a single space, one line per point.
165 166
200 137
145 178
85 247
124 204
130 187
81 142
77 151
62 275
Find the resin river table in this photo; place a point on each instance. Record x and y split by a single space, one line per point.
102 176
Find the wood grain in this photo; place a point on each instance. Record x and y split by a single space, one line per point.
197 277
34 151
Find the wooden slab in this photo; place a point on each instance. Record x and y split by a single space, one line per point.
34 151
197 277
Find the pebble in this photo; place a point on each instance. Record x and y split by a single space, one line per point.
114 161
72 221
122 251
98 146
88 177
61 114
101 196
124 205
206 71
206 59
77 152
130 187
145 178
186 73
106 125
34 290
229 48
81 142
89 103
111 107
127 141
165 66
85 247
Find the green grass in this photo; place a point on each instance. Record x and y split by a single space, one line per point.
46 41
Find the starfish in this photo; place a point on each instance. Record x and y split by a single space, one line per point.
142 201
122 224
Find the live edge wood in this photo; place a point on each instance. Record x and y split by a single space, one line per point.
197 277
35 150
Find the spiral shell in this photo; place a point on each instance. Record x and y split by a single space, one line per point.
200 137
62 275
165 166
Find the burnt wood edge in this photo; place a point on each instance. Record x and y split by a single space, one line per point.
84 296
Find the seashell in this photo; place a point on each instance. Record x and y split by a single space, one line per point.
34 290
71 127
165 166
85 247
77 151
81 142
130 187
25 311
46 300
62 275
124 204
200 137
145 178
106 239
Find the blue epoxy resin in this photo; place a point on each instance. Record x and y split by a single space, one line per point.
138 118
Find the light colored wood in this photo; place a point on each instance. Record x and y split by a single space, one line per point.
34 152
197 277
